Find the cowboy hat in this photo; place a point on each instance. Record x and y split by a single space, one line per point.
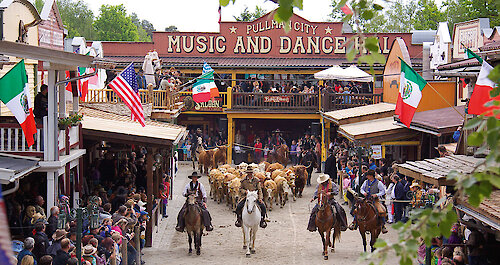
89 250
322 178
249 169
415 184
276 131
194 174
59 234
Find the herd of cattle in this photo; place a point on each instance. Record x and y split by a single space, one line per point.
277 182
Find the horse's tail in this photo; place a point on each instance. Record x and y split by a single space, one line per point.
336 231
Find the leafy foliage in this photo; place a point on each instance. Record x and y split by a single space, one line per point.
171 28
38 5
141 31
78 18
113 24
246 15
464 10
428 15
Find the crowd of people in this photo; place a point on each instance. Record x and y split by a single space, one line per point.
117 187
262 86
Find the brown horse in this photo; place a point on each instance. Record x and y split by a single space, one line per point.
194 223
367 219
280 155
326 221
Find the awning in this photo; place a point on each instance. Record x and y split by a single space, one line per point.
372 131
434 171
438 121
102 125
488 211
362 113
351 73
13 167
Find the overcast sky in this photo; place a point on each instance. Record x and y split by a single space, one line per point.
202 15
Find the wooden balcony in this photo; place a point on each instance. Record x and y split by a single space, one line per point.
160 99
336 101
275 102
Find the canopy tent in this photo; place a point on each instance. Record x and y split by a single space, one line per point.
351 73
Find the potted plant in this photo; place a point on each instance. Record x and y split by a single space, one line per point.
69 121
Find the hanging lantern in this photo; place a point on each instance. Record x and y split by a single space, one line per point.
61 220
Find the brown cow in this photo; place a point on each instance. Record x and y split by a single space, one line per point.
205 160
219 156
300 179
275 166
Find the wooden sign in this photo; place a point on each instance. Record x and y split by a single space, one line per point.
277 99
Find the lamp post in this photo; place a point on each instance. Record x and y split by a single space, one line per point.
79 214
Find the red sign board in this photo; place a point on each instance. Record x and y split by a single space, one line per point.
263 37
276 99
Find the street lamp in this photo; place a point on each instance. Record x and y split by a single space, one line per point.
79 214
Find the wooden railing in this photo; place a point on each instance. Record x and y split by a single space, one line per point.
222 95
298 102
336 101
12 139
159 98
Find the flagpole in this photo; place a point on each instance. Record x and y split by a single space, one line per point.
446 100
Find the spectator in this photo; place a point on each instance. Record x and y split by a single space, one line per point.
476 243
41 240
119 214
46 260
293 152
456 134
29 244
141 80
446 256
442 151
59 235
63 255
331 166
73 261
372 164
399 194
89 252
28 260
258 150
41 104
52 221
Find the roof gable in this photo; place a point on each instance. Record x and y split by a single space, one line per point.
50 6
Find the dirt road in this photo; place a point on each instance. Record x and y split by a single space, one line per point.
284 241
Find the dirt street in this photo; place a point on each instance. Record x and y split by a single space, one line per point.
284 241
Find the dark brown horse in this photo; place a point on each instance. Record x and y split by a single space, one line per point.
326 221
280 155
367 219
194 223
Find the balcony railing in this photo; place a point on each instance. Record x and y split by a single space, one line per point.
160 99
12 140
336 101
295 102
222 95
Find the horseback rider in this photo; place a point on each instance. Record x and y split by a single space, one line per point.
195 187
374 189
326 184
277 140
250 183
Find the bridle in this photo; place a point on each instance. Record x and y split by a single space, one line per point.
365 216
250 210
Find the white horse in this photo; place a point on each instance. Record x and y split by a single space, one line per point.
251 221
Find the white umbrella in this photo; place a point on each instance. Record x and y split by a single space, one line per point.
351 73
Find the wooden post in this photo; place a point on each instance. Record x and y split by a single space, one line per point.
137 239
149 206
229 97
123 250
233 81
230 138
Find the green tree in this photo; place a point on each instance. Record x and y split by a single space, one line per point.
143 35
113 24
148 27
401 16
77 18
246 15
428 15
39 5
171 28
464 10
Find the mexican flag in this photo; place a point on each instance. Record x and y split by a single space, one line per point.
14 92
410 93
205 88
470 54
481 93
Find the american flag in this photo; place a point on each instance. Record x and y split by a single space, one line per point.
125 85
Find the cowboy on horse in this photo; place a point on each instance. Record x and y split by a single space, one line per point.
196 188
277 140
250 183
325 184
373 189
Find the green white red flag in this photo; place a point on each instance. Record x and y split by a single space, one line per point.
470 54
481 93
205 88
14 92
410 93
